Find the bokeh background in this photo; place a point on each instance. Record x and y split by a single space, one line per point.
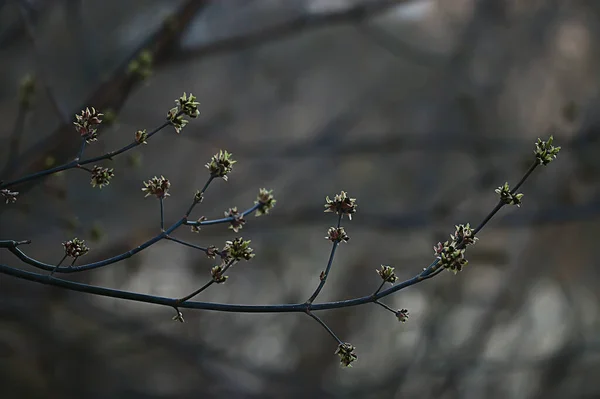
417 108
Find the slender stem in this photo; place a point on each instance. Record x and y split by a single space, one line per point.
525 176
80 153
210 179
75 163
380 287
222 220
432 274
194 203
501 204
84 168
328 268
110 155
326 327
199 290
489 216
173 302
10 245
44 266
162 214
325 274
205 286
58 264
385 306
187 244
39 174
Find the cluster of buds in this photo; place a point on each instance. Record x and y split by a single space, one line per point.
188 105
185 106
337 234
212 252
451 254
265 200
9 196
237 219
178 317
346 353
464 235
237 250
341 204
196 227
387 274
545 152
142 65
87 123
141 136
101 176
75 248
158 186
176 120
217 274
507 197
402 315
221 164
451 257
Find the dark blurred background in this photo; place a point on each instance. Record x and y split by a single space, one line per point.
417 108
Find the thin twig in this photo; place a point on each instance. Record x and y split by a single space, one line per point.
380 287
80 153
199 290
222 220
162 214
323 277
325 274
208 284
501 204
193 205
309 21
29 29
326 327
11 245
58 264
76 163
187 244
385 306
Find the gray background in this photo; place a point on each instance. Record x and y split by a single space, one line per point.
419 112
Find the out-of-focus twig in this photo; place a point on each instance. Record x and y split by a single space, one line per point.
398 47
39 64
15 138
354 14
111 94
